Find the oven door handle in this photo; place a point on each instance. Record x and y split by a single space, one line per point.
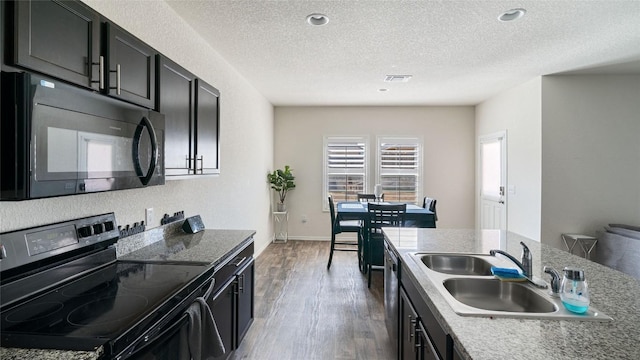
149 339
145 123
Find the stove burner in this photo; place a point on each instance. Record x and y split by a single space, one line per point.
108 311
33 312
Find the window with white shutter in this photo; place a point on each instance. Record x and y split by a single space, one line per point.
345 168
400 168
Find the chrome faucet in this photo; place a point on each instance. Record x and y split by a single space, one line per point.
525 265
555 280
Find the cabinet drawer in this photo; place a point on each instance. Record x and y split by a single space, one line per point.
231 266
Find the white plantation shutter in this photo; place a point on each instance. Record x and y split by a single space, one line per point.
400 168
345 167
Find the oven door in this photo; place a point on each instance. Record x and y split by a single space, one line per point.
168 339
170 344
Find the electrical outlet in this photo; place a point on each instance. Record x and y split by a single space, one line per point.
148 217
304 219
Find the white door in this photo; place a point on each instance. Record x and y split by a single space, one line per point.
493 180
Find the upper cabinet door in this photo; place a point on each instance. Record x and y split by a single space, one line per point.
207 129
57 38
132 67
176 99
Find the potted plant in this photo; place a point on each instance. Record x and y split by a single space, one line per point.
281 181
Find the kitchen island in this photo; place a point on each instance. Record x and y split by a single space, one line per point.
612 292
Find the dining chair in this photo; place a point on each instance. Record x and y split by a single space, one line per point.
430 203
369 197
379 216
345 226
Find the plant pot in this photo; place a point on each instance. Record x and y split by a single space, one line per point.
281 207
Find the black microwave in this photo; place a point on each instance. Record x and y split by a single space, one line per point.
57 139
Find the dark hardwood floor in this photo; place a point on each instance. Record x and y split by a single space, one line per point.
304 311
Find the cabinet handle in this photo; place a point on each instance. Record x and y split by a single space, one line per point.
418 343
237 261
241 283
100 72
118 79
412 324
201 169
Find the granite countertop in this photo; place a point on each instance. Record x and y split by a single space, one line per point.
166 243
612 292
211 246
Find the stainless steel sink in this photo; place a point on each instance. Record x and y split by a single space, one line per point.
457 264
466 283
493 294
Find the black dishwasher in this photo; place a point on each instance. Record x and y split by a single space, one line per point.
391 294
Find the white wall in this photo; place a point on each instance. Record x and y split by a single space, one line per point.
238 198
590 153
448 134
518 111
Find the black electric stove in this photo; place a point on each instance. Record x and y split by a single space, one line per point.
76 296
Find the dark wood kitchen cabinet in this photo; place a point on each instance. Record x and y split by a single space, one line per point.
207 128
56 38
191 110
421 335
408 325
176 100
245 294
222 306
414 341
232 305
131 66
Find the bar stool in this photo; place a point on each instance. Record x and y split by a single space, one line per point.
343 226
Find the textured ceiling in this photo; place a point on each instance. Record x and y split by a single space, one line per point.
456 50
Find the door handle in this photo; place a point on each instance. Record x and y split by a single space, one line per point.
145 123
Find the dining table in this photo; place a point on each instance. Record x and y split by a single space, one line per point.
415 216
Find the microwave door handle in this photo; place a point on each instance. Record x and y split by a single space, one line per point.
145 123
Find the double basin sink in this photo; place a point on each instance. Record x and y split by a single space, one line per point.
466 283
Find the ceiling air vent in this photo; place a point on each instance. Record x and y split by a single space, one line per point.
397 78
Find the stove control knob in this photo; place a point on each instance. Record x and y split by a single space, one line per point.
3 252
84 231
98 229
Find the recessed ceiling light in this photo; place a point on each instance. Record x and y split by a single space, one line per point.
317 19
511 15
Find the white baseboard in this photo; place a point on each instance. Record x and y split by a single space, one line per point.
309 238
321 238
